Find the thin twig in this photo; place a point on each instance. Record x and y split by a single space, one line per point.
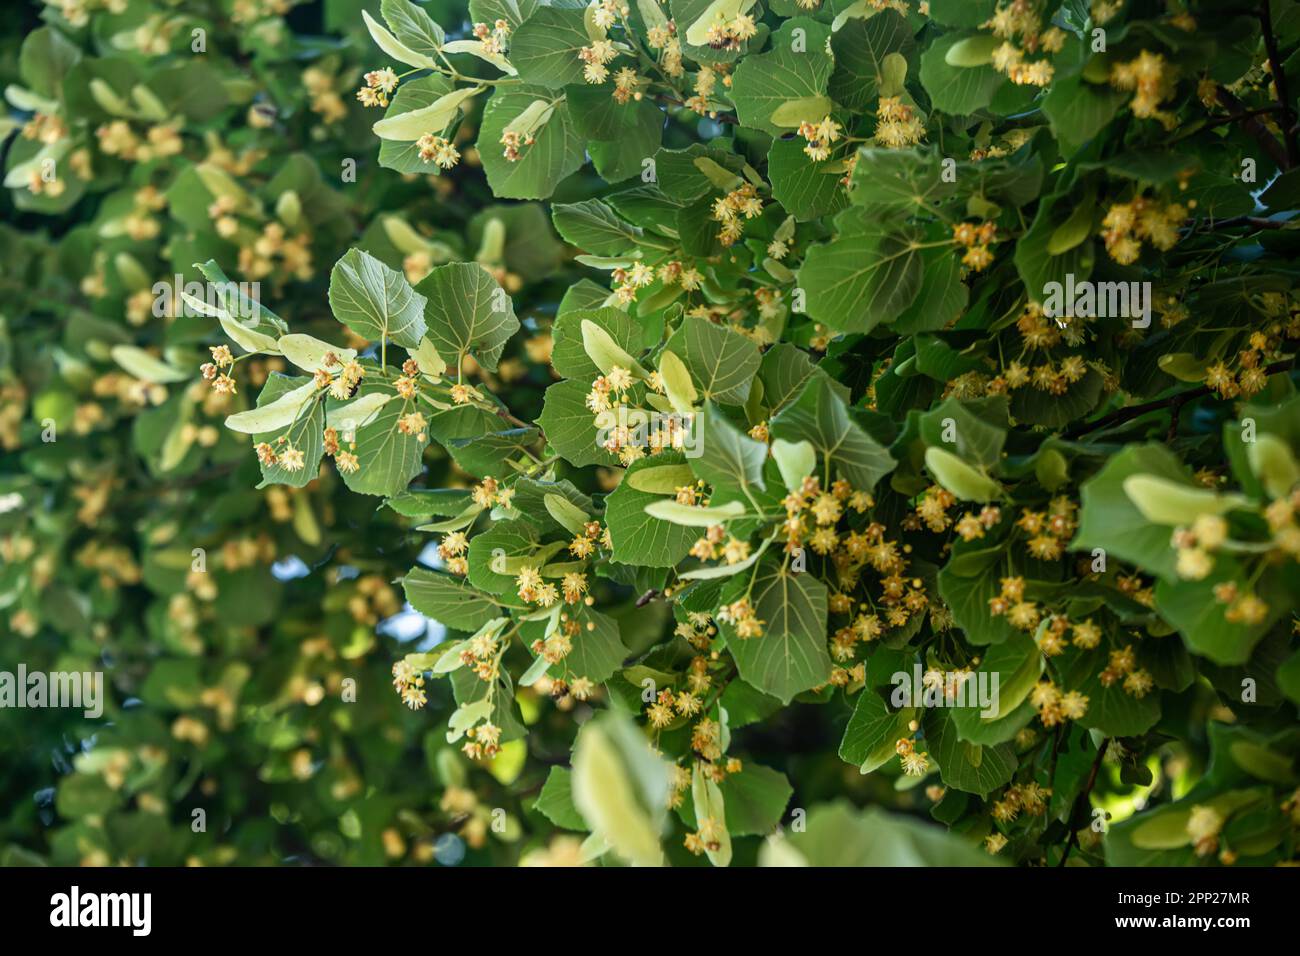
1175 401
1279 83
1083 797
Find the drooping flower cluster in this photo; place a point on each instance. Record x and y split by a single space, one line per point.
379 84
820 137
976 239
898 125
1019 25
732 209
1127 225
1151 80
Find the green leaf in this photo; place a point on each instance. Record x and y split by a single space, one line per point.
414 28
873 731
820 417
860 48
467 312
555 802
956 89
791 71
374 301
448 600
974 768
728 458
722 363
868 274
638 538
570 426
557 151
594 227
790 656
545 47
387 457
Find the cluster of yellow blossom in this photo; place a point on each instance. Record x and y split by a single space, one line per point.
730 210
379 84
484 741
257 261
717 544
1151 82
1049 531
932 510
743 617
596 58
593 536
698 631
1055 707
820 136
1010 600
409 684
1028 798
452 550
724 34
972 526
811 515
688 277
566 691
1022 20
705 83
437 150
706 739
898 126
489 492
976 240
1122 665
118 139
346 461
1251 375
664 40
1243 608
222 382
915 763
626 83
513 142
1196 544
322 87
1127 225
628 282
493 38
668 707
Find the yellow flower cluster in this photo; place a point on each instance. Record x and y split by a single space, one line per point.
1127 225
664 39
1028 798
976 240
1055 707
915 763
596 58
742 616
971 526
726 34
585 544
436 150
409 684
730 210
325 102
898 126
1022 21
493 39
1151 81
1122 666
379 84
820 136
